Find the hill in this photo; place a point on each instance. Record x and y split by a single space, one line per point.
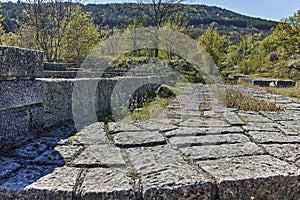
108 16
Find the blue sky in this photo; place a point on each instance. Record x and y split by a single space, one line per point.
267 9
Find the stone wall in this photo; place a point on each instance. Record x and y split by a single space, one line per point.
30 104
21 95
87 100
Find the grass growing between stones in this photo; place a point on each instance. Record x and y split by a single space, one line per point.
236 99
292 92
149 110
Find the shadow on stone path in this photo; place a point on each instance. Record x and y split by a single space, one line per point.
217 153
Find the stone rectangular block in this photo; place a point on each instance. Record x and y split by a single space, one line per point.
18 93
57 101
222 151
19 125
106 155
107 184
254 177
14 127
19 62
54 66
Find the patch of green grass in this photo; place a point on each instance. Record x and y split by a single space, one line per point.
149 110
237 99
292 92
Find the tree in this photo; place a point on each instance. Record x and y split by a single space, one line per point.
2 32
285 39
80 36
158 11
215 44
47 20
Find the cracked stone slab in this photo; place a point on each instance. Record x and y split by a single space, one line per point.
108 184
257 177
117 127
58 156
8 166
287 152
165 175
99 156
93 134
194 131
208 140
283 116
266 127
177 182
233 119
221 151
254 117
138 139
151 159
60 184
273 137
203 122
162 126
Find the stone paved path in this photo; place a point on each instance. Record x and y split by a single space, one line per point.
216 153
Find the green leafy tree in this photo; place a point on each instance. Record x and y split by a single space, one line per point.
246 55
80 36
45 21
215 44
2 32
285 40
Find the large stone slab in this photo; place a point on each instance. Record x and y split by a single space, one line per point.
165 175
177 182
256 177
195 131
208 140
19 93
60 184
273 137
108 184
138 139
18 62
99 156
91 135
54 66
203 122
16 127
222 151
287 152
233 119
57 101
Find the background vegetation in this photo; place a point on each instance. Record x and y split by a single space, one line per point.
67 32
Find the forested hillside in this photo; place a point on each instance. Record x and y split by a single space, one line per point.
108 16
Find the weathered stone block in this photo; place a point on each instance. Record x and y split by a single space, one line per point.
222 151
257 177
18 93
100 156
138 139
208 140
57 185
54 66
18 62
57 101
14 127
108 184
